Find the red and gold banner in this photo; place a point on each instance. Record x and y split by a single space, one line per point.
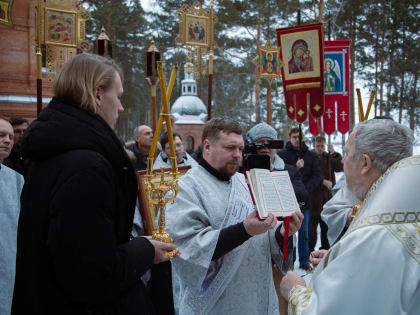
336 86
314 125
301 49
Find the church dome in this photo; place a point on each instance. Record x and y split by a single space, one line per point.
189 109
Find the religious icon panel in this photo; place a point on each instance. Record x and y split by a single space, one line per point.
5 8
270 64
196 30
336 86
60 28
300 51
334 79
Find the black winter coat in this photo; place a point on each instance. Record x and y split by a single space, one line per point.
301 193
311 171
74 253
141 160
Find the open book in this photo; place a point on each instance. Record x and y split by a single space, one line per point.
273 192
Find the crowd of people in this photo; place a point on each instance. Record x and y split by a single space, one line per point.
69 197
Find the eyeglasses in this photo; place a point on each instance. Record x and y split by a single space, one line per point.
177 146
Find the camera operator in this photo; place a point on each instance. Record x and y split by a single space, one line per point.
260 135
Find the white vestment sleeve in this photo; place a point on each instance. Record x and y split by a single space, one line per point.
335 212
368 272
189 226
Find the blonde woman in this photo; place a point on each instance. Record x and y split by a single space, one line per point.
74 251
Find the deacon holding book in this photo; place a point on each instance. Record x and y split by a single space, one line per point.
375 267
225 267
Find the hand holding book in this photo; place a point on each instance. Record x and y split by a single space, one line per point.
254 226
273 193
295 223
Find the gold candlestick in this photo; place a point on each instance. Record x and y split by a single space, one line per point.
165 191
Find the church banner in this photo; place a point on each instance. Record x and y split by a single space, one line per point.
336 86
315 125
301 49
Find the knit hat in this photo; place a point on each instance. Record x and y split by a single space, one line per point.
262 130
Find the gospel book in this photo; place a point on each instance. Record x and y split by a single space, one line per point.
273 192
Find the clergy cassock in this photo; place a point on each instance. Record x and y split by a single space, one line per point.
241 281
375 267
11 184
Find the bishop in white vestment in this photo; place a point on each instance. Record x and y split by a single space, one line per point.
375 267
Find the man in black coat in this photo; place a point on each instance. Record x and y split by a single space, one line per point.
74 252
329 163
143 135
297 153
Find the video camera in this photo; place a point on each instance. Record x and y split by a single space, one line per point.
250 157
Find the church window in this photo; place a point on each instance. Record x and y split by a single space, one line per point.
189 144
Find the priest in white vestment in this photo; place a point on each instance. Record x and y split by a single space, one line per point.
375 267
226 261
11 184
182 157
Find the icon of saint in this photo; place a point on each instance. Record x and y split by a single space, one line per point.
301 60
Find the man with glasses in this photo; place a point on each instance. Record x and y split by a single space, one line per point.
182 157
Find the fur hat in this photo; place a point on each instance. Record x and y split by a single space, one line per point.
262 130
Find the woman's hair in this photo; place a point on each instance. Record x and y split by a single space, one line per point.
82 75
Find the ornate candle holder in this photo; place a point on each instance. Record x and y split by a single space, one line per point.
159 194
164 191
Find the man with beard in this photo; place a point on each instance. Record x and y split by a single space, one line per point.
374 268
227 250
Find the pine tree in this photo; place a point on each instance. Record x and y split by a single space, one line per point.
127 28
